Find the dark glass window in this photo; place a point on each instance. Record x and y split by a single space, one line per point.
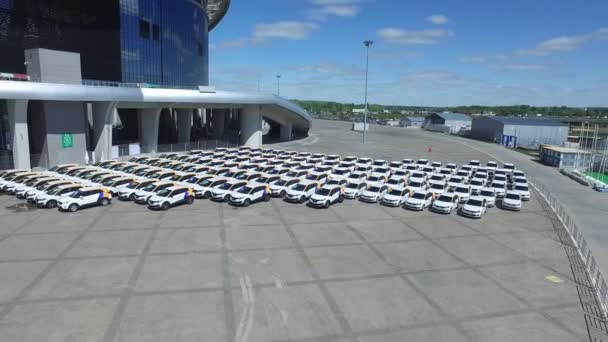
155 32
144 29
200 49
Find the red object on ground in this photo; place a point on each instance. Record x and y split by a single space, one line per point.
430 150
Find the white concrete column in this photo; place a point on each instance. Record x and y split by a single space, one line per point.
103 117
17 118
217 123
251 126
148 129
184 125
286 130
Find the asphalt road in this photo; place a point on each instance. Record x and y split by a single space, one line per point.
285 272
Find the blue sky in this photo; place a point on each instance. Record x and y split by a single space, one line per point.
430 53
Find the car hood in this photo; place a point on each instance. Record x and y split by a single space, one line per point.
414 201
391 197
316 197
442 204
370 194
511 202
471 208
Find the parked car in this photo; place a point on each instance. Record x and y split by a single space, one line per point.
85 198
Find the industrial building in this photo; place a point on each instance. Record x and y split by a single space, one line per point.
525 132
412 121
564 157
447 122
71 70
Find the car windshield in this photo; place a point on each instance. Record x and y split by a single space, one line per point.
164 193
281 182
521 188
373 178
54 191
148 187
76 194
299 187
226 186
513 196
455 180
340 172
323 191
393 181
476 182
141 172
437 187
419 195
396 192
415 184
474 202
352 186
373 188
108 182
245 190
498 186
462 190
436 178
362 168
444 199
192 180
153 175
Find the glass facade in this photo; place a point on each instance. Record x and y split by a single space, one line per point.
159 42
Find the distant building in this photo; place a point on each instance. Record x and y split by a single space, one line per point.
359 111
416 121
528 132
564 156
447 122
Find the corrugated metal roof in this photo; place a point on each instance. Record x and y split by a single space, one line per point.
454 116
519 121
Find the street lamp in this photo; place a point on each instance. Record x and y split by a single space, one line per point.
279 84
367 44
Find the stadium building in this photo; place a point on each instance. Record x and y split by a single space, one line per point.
79 78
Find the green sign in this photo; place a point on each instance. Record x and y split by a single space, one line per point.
67 140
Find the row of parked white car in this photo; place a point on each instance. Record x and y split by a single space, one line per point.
244 175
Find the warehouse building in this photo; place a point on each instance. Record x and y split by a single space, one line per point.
412 121
525 132
564 157
447 122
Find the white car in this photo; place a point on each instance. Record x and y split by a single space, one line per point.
422 162
320 178
220 193
419 200
475 207
250 193
22 190
142 195
117 184
500 188
511 201
127 193
445 203
326 196
382 171
374 178
474 164
15 178
396 182
301 192
353 190
203 185
476 186
491 166
373 193
455 181
417 186
488 194
279 188
84 198
437 188
417 177
341 173
451 166
39 190
363 162
395 165
407 161
509 166
395 197
51 198
170 197
463 192
356 177
523 191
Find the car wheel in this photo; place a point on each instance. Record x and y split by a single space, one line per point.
73 207
132 197
246 203
340 199
51 204
165 206
190 200
206 195
326 205
282 194
105 202
302 199
266 198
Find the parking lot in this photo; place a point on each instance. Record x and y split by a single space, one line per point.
277 271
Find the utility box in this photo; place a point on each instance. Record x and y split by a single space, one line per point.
52 66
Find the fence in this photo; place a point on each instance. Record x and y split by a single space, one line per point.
575 234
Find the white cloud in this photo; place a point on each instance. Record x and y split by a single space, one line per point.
412 37
517 67
338 8
432 78
564 43
295 30
438 19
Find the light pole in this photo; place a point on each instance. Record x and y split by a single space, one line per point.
367 44
279 84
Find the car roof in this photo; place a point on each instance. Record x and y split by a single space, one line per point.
177 187
478 198
70 185
92 188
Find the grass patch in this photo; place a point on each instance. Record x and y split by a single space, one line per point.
602 177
